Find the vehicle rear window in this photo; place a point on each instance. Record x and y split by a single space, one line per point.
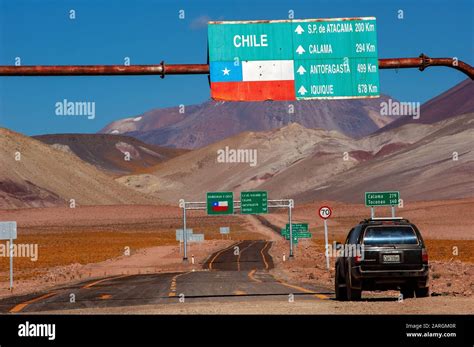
390 235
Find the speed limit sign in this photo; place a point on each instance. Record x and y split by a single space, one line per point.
325 212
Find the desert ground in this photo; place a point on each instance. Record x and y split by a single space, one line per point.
92 242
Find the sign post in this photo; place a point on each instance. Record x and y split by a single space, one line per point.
374 199
291 228
224 231
325 212
8 232
185 237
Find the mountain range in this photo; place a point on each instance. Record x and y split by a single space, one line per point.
115 154
34 174
428 158
313 164
196 126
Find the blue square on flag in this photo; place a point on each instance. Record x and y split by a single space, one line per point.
225 71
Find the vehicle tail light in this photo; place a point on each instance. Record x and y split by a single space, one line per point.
424 256
358 259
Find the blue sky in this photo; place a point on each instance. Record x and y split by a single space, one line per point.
148 31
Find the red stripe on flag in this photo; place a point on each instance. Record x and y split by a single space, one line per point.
253 91
220 208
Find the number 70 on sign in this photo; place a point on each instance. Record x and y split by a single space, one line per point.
325 212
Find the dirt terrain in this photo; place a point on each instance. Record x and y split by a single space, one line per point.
90 242
281 306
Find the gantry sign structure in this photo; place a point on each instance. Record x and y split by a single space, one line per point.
251 202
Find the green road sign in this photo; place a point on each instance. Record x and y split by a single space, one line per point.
300 231
320 58
219 203
287 237
253 202
297 227
381 198
297 235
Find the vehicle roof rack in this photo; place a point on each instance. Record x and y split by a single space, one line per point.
382 219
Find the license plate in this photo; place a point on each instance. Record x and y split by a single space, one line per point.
391 258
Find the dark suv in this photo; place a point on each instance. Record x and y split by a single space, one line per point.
393 257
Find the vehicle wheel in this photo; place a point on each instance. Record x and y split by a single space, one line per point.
407 292
352 293
422 292
340 286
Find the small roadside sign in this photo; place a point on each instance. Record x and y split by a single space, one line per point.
325 212
179 234
299 231
8 231
297 227
382 198
196 238
224 230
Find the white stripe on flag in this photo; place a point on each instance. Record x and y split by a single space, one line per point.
268 70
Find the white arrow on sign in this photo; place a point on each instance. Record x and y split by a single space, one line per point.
300 50
302 90
301 70
299 30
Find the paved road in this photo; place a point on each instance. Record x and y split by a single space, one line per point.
239 272
242 256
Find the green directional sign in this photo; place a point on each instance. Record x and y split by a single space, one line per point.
294 59
382 198
297 227
287 236
253 202
219 203
300 231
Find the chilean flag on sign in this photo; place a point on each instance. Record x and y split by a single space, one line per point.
252 80
220 206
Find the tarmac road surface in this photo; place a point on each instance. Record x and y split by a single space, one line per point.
238 272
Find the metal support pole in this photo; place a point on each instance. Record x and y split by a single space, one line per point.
421 62
291 231
185 235
11 264
326 242
393 211
372 212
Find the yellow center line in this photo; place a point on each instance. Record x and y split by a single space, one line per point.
219 253
263 255
173 283
105 296
239 292
87 286
21 306
251 273
240 253
319 296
